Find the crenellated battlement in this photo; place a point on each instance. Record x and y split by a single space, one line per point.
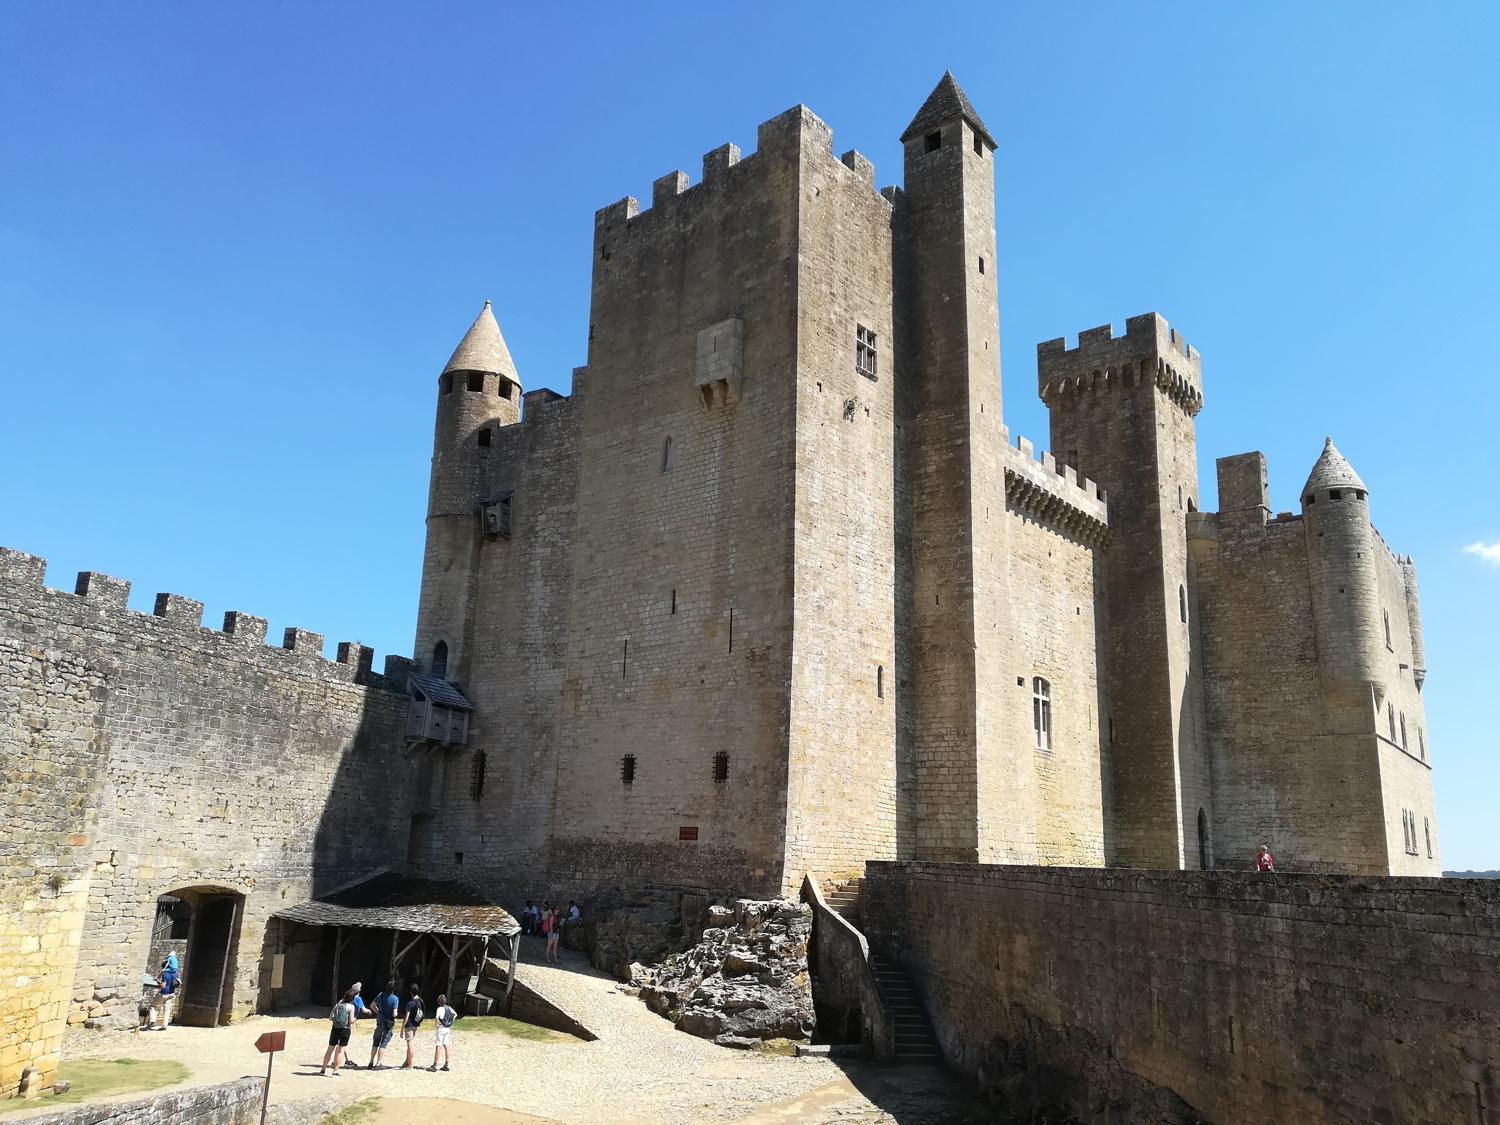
788 135
103 599
1150 350
1037 484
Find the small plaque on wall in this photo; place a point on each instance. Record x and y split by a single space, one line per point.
278 969
688 833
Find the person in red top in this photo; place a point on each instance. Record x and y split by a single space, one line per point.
1264 860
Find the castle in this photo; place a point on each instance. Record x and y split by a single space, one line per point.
773 591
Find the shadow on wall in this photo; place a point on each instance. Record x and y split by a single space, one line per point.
363 829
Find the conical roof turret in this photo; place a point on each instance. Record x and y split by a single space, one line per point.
1332 471
483 349
946 103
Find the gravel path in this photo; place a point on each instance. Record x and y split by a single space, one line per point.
641 1069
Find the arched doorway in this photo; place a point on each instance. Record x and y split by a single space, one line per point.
202 926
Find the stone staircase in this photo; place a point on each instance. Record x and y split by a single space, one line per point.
915 1042
912 1031
843 899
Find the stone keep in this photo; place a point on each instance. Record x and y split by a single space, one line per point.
777 592
773 591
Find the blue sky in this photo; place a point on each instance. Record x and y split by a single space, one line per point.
237 244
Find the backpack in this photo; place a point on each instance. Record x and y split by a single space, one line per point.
341 1015
415 1016
445 1016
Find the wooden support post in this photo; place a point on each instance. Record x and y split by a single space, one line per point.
234 914
452 966
395 937
338 947
510 979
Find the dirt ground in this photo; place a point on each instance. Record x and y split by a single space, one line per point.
640 1069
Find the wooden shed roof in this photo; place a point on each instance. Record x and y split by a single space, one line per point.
396 902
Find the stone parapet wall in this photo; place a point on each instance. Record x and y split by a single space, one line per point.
230 1103
1188 996
154 756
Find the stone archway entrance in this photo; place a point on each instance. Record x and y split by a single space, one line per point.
202 925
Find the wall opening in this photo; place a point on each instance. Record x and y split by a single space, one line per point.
484 437
932 142
476 381
206 923
1205 857
674 600
1182 603
476 774
721 767
627 769
879 681
666 455
447 384
440 660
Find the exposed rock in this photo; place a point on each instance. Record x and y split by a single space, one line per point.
744 982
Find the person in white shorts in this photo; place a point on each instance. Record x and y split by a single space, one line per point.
443 1018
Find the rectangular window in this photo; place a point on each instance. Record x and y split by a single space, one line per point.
1041 712
864 352
484 437
627 769
721 767
933 141
476 775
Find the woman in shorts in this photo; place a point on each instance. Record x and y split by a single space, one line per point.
342 1020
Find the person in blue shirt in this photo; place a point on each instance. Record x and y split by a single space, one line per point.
387 1008
167 986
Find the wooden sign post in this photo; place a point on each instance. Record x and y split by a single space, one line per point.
268 1044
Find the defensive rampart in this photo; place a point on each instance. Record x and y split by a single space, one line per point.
1135 996
145 755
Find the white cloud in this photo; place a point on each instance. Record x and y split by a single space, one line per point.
1487 552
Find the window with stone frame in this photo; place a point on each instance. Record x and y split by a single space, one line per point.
1390 718
476 774
1427 831
865 359
1041 712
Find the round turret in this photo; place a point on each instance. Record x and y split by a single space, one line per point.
478 394
1342 569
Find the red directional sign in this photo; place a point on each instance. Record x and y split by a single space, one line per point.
271 1041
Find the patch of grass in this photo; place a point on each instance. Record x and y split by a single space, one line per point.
504 1025
99 1078
351 1114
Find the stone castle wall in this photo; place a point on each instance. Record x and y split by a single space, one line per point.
1303 756
1179 996
51 747
212 764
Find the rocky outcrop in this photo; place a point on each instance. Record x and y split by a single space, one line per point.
745 982
645 926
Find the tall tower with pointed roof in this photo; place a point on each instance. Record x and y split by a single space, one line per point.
478 392
1342 564
946 225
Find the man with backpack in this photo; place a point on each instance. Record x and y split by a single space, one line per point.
409 1026
166 991
387 1008
444 1017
